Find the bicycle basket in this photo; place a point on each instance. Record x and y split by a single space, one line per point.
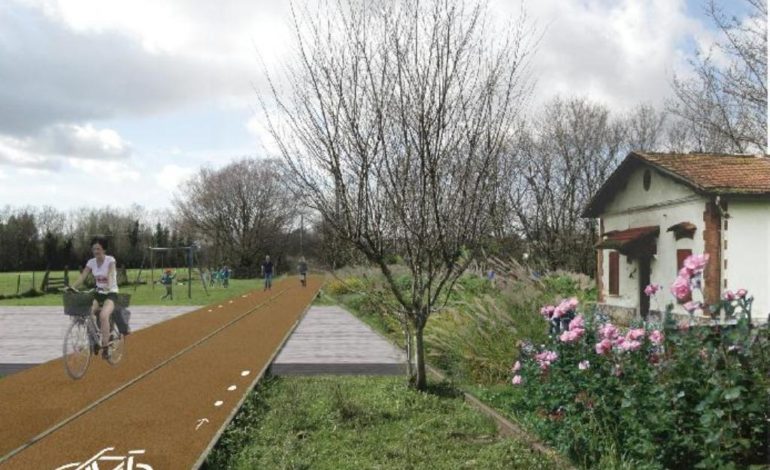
77 304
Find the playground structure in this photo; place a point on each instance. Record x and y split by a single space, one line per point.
191 258
53 284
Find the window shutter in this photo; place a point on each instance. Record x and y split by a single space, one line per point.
614 273
682 255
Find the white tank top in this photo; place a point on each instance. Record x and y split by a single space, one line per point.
105 280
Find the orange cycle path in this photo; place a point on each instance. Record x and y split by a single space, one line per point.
164 404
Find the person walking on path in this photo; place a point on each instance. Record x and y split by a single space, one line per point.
167 279
302 271
267 271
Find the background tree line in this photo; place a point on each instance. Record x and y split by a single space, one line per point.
39 238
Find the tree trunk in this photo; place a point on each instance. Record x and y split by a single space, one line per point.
421 382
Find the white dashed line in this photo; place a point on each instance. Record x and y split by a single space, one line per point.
218 403
245 373
231 388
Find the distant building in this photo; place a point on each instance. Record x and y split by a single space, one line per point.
657 209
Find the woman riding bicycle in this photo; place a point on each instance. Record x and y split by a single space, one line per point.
104 270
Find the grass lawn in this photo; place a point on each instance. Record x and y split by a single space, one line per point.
144 294
363 422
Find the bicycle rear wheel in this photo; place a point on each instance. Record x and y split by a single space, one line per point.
77 349
117 346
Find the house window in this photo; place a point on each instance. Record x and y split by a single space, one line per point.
647 179
614 273
682 255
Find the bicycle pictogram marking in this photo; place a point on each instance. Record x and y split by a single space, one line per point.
123 462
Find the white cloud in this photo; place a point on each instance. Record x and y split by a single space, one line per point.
74 141
85 142
17 152
171 176
617 52
107 171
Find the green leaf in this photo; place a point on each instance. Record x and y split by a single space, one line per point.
732 393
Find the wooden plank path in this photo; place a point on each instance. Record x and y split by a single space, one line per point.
329 340
34 335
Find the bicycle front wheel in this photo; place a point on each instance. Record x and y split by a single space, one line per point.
117 345
77 349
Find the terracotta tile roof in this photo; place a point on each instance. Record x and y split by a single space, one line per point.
706 173
716 173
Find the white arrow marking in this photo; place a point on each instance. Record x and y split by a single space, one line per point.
200 423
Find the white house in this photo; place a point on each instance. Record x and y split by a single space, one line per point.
657 209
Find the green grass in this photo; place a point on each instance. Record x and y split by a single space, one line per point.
364 422
144 294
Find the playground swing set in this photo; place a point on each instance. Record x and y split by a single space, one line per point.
191 255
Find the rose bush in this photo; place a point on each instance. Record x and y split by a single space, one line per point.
653 396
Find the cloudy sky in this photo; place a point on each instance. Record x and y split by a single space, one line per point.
107 102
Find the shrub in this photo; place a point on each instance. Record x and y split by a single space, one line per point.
655 396
345 286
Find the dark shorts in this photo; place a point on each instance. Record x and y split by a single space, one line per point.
101 297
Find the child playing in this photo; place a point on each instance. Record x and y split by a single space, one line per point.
168 280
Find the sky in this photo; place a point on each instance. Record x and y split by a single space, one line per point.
114 103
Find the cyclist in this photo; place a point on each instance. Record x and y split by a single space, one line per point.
104 269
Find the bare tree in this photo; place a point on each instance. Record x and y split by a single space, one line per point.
563 155
392 121
241 209
724 106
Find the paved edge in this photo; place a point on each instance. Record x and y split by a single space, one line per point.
368 368
102 399
504 425
9 368
202 458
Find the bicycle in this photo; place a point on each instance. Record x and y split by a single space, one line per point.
84 338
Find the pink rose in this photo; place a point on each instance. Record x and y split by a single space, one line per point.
656 337
652 289
692 306
685 273
545 358
573 303
571 335
577 323
630 345
741 293
547 311
516 380
558 312
583 365
635 334
728 295
603 347
696 263
608 331
684 325
681 288
516 367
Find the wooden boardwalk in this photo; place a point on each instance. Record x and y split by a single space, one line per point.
329 340
33 335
